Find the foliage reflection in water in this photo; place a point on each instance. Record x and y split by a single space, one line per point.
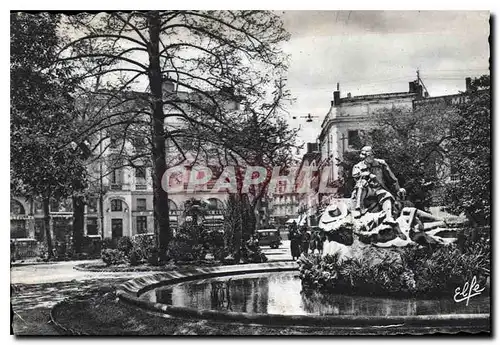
281 293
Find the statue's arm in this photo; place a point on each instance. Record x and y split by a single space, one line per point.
391 178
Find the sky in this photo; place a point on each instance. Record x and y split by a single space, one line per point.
370 52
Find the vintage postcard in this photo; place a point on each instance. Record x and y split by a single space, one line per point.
250 172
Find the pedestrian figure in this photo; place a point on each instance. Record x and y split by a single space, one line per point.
294 237
305 239
316 242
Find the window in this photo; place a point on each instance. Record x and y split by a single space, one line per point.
142 224
353 139
140 178
92 205
140 172
454 173
116 228
39 230
91 226
18 229
116 205
116 176
54 206
113 141
38 207
16 207
172 207
141 205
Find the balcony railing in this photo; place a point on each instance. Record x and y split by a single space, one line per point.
119 186
116 186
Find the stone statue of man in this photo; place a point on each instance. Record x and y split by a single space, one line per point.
374 179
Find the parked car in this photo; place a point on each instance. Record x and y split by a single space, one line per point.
269 237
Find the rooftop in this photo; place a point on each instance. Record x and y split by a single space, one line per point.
378 96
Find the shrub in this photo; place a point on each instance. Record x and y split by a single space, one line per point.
135 257
144 246
153 257
124 245
43 252
420 271
59 250
92 246
191 243
109 243
213 243
181 250
112 257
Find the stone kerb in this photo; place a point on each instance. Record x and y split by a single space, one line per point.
137 286
130 291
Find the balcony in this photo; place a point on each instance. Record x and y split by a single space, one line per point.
115 186
119 186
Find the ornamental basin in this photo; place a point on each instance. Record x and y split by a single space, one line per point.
281 293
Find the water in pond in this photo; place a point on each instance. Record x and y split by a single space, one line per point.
280 293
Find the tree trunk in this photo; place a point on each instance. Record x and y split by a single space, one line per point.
238 230
160 198
256 208
78 223
46 225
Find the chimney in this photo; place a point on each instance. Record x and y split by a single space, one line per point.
312 147
468 84
412 87
336 98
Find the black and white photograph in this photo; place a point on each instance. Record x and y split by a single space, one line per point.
250 172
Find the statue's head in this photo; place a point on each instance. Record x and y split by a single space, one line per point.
367 154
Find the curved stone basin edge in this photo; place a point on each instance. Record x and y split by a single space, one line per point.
130 291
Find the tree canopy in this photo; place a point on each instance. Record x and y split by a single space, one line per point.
470 155
42 123
42 112
207 58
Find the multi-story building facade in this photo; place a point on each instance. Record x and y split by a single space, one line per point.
349 116
121 197
284 207
308 198
341 132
